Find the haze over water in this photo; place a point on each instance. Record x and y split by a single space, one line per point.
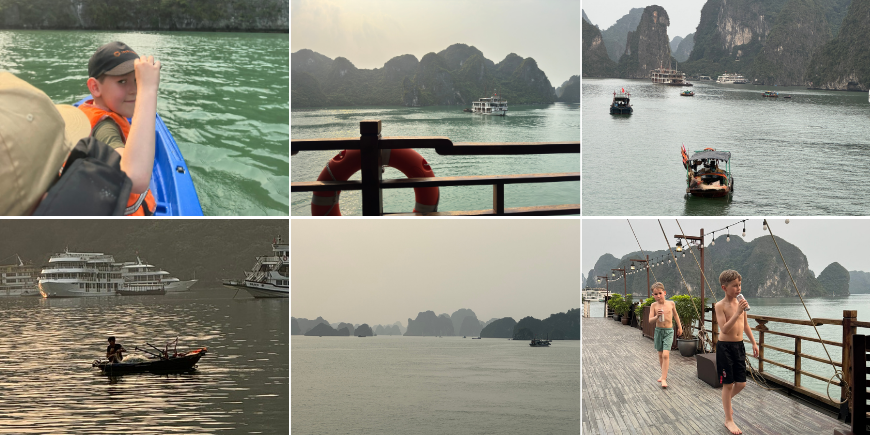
558 122
223 96
48 385
803 156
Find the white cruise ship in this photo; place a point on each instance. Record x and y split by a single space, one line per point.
494 105
269 278
80 274
172 284
141 279
18 279
735 79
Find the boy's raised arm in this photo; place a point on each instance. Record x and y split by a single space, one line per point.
137 159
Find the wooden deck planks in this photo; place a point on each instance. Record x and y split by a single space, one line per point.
620 394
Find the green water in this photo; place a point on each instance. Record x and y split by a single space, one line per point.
558 122
224 97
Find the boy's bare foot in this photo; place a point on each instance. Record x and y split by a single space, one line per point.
733 427
659 380
664 383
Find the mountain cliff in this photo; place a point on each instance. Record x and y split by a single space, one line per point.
800 29
757 261
647 47
501 328
859 282
569 92
615 37
559 326
835 280
842 64
596 63
428 324
456 75
684 48
199 15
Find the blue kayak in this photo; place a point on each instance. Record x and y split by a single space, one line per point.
171 183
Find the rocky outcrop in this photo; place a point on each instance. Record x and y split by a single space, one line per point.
801 28
684 48
501 328
459 316
615 37
647 47
365 330
842 64
294 327
344 329
428 324
835 280
569 92
470 326
730 29
387 330
859 282
306 325
596 63
322 330
559 326
602 268
198 15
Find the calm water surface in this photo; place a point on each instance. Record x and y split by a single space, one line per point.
802 156
547 123
47 384
791 308
429 385
224 97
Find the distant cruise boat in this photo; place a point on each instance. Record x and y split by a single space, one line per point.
19 279
494 105
141 279
173 284
269 278
80 274
735 79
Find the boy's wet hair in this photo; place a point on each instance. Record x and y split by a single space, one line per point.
657 285
728 276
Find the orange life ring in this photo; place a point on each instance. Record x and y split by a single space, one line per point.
347 162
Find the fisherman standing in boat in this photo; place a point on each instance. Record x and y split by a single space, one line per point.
114 351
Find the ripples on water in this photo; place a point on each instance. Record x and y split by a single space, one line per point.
224 97
791 308
429 385
550 123
47 384
800 156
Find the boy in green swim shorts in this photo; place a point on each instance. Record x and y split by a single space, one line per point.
663 312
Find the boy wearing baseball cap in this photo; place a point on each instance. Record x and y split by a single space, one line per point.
123 84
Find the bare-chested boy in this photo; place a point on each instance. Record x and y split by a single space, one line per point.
730 353
664 335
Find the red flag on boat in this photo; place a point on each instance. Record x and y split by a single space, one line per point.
623 90
685 156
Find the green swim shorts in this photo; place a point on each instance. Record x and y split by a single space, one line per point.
663 338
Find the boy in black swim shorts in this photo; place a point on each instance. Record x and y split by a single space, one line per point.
730 353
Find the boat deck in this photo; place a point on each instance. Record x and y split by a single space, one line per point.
621 395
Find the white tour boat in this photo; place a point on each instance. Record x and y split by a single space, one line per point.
269 278
141 279
494 105
735 79
172 284
79 274
18 279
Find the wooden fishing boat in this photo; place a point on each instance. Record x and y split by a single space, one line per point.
621 104
770 94
162 362
171 183
541 343
687 93
708 173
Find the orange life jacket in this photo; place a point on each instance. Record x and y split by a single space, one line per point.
138 204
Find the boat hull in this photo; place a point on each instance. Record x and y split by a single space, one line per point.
709 193
171 183
140 292
621 111
171 365
180 286
259 290
69 290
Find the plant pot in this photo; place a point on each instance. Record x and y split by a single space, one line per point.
625 320
617 317
687 348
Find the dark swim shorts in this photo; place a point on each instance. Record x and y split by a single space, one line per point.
731 361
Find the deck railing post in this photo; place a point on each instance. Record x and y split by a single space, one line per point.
849 317
370 166
797 362
859 393
498 199
762 326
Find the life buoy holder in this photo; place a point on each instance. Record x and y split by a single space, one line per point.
348 162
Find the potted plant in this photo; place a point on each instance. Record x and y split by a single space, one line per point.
626 309
638 311
615 304
688 342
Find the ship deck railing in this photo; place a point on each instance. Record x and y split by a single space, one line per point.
370 143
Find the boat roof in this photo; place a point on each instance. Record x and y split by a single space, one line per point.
715 155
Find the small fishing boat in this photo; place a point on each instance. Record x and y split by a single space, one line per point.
708 173
171 183
621 104
770 94
475 338
540 343
160 362
687 93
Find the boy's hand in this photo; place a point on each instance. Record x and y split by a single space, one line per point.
743 304
680 331
147 73
755 350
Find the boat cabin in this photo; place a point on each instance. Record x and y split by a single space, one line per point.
708 173
621 104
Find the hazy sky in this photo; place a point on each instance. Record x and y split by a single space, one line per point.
684 14
383 271
823 241
369 33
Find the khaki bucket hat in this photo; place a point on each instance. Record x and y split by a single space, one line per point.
35 138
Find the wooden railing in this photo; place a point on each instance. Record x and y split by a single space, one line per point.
860 356
849 325
370 143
